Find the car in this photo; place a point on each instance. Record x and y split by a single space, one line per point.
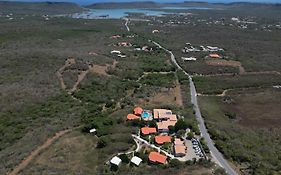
195 143
193 140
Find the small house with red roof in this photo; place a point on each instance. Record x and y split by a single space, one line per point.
156 157
162 139
132 117
138 111
148 130
214 55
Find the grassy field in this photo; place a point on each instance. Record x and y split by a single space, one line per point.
245 128
216 84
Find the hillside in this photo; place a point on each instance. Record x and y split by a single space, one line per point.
39 8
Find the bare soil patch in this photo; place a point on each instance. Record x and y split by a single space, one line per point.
99 69
94 68
168 96
230 63
257 108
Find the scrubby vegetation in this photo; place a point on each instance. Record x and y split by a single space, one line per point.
216 85
249 140
33 107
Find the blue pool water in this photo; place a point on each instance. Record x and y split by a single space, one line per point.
145 115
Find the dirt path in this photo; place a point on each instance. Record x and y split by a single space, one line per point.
178 95
217 95
68 62
147 73
35 152
81 77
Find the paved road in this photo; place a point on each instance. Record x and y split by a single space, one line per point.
126 24
217 156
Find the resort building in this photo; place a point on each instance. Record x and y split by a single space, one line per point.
124 44
163 126
148 130
179 148
132 117
138 111
156 157
165 119
160 114
115 36
214 55
162 139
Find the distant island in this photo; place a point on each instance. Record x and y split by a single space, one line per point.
151 4
39 7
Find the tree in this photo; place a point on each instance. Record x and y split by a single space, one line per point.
175 163
180 133
220 171
190 135
101 143
171 129
180 125
124 158
152 123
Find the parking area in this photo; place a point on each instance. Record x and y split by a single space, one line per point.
190 151
193 150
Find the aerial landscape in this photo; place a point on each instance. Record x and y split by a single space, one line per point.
140 87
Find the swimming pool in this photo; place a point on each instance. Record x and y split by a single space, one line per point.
145 114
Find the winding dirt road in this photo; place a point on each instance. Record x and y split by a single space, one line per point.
35 152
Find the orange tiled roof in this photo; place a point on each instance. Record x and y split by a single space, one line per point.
157 157
132 117
161 113
162 139
178 142
180 149
214 55
165 124
148 130
173 117
138 111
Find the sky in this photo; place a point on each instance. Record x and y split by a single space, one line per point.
85 2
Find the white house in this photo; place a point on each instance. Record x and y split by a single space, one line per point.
115 52
93 130
115 161
121 56
189 58
136 160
